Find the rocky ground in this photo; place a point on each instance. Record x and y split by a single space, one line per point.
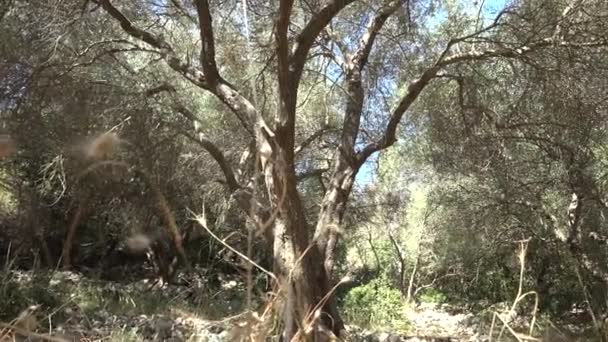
140 312
433 322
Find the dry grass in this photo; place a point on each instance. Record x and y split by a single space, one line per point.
25 325
506 317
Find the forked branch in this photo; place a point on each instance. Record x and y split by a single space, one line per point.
311 31
210 147
388 138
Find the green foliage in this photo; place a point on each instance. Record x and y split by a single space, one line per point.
431 295
376 305
126 335
53 291
8 203
93 296
16 295
12 299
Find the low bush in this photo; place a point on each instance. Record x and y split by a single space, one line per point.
376 305
16 295
433 296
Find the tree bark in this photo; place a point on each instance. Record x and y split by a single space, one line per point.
66 254
297 259
347 161
333 207
582 186
166 214
401 258
410 285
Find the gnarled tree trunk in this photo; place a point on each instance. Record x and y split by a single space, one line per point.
333 207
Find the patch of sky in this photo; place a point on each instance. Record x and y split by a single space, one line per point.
13 85
377 97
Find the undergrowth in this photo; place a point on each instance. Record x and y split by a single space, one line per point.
431 295
54 293
376 305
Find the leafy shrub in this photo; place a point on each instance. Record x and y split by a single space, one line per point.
12 298
433 296
126 335
376 305
16 295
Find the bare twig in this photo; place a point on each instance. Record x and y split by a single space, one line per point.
202 221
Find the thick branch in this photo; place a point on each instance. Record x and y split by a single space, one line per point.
109 52
132 30
399 253
389 136
311 138
242 194
356 94
359 59
516 52
308 35
193 75
416 87
285 123
281 30
207 41
213 150
238 104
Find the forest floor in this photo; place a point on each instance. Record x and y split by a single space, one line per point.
435 320
432 322
77 308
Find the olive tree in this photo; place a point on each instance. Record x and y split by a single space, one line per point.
382 54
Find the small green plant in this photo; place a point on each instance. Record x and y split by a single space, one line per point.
92 297
126 335
89 298
16 295
433 296
12 298
376 305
